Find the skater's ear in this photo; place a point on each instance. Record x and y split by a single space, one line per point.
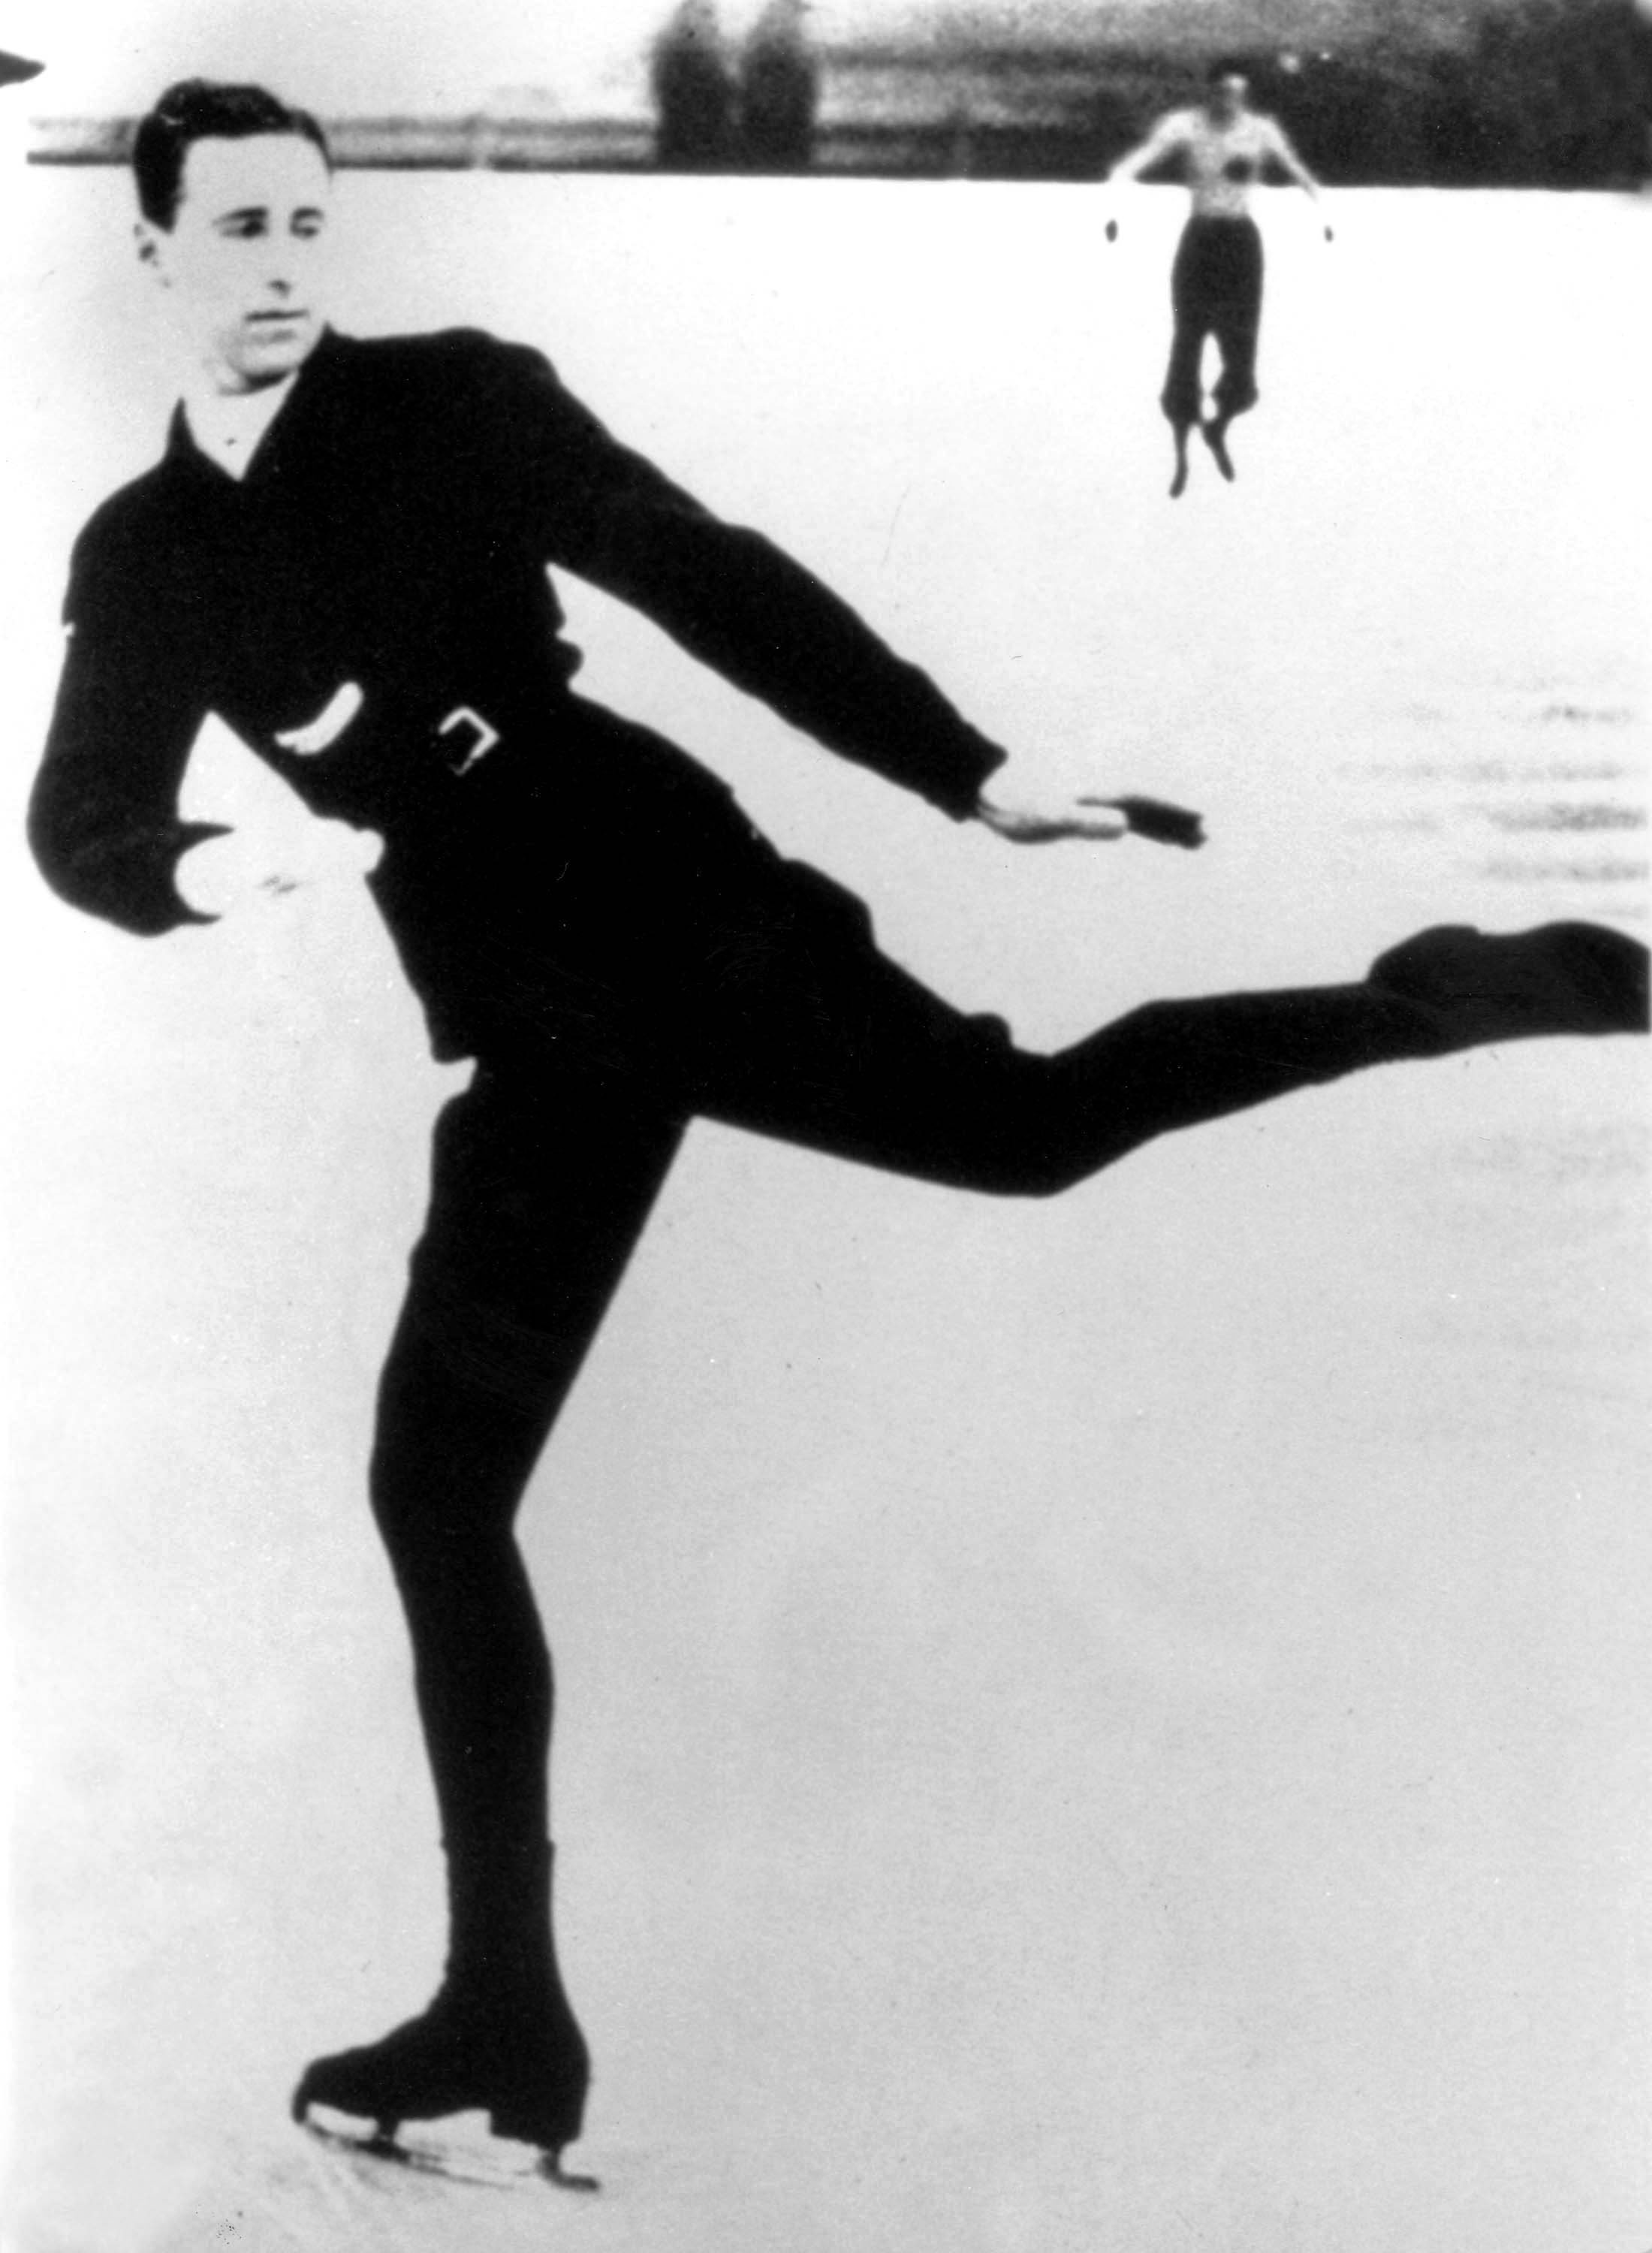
151 245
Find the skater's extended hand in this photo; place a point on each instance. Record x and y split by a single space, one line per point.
1112 230
225 872
1104 820
1163 823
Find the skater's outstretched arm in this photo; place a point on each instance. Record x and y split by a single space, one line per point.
1102 820
736 602
723 591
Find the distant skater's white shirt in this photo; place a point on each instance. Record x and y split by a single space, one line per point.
1223 161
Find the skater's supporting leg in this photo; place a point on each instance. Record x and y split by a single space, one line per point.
1182 395
1236 319
535 1207
451 1463
1179 478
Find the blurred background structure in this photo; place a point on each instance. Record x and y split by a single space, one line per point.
779 90
1549 93
694 90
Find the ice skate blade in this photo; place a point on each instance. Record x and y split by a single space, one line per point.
453 2163
549 2165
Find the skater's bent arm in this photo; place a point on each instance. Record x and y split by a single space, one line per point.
1167 138
1170 138
103 820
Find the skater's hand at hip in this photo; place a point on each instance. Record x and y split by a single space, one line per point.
229 871
1102 820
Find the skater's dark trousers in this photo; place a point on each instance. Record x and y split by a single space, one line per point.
1216 290
783 1017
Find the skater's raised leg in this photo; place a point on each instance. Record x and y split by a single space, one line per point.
848 1054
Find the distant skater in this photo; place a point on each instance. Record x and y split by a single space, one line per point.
342 552
1216 283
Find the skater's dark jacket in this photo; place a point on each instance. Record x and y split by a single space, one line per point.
376 587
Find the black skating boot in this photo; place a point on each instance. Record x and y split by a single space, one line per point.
1473 986
499 2037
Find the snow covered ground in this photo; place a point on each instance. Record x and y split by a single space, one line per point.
1118 1723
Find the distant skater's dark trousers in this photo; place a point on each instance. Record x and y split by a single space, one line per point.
1216 290
778 1014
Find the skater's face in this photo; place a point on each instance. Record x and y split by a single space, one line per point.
243 261
1227 97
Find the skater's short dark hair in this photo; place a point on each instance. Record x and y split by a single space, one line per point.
1229 65
200 110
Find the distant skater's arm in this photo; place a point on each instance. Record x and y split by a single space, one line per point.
1167 139
1285 157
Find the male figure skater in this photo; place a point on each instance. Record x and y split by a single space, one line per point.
1215 281
342 553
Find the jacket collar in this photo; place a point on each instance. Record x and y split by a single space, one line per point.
183 454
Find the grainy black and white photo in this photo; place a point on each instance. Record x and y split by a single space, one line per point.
826 1198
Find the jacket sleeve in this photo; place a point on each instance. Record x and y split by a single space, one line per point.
103 822
732 599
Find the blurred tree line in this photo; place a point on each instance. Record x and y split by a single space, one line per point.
1519 93
1540 94
1545 93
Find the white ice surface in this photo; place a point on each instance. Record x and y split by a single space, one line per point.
1118 1723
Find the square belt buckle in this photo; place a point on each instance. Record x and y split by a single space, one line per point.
482 737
